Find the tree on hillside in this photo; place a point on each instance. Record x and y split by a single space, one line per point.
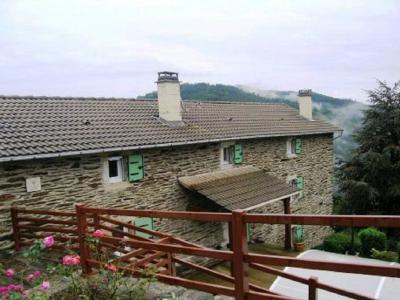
370 182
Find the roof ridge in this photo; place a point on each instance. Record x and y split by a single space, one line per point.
31 97
235 102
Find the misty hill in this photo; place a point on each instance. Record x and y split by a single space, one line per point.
344 113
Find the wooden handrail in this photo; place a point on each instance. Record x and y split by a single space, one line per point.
322 220
131 226
183 215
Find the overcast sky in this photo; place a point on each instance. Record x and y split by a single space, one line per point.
115 48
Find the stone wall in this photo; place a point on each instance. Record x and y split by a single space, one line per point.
314 164
66 181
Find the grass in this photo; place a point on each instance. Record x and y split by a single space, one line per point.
259 278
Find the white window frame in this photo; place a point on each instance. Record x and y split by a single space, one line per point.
290 150
224 163
119 170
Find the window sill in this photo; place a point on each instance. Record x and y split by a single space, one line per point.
226 166
115 186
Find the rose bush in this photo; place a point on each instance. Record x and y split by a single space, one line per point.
109 283
17 285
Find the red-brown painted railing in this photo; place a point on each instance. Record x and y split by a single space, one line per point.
88 218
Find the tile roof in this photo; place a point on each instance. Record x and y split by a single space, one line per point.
34 127
238 188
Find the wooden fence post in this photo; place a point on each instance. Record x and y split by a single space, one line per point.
312 288
82 228
171 264
288 227
240 267
96 221
15 225
231 243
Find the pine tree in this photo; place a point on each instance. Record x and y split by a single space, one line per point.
370 182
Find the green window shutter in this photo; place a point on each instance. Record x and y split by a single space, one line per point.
300 182
248 231
238 149
146 223
298 146
135 167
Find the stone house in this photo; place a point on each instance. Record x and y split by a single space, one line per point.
167 154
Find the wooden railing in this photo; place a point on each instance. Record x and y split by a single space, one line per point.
29 225
165 251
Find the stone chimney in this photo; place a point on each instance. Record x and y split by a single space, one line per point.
305 104
169 97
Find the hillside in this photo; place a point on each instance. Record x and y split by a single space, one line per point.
344 113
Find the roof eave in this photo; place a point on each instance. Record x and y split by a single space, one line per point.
141 147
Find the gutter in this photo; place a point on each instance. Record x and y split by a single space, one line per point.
143 147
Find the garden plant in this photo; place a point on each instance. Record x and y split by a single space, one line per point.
33 280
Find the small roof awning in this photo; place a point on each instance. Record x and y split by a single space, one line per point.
239 188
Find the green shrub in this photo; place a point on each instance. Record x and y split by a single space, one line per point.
337 242
340 242
371 238
384 255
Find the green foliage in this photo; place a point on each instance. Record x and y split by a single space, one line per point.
219 92
370 182
371 238
340 242
34 252
384 255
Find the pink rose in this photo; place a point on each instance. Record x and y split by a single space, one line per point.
48 241
9 273
33 275
76 260
3 290
25 294
98 233
36 273
30 277
45 285
15 287
111 268
71 260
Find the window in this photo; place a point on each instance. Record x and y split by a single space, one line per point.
227 154
231 153
294 147
113 172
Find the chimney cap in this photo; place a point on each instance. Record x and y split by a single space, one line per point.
306 92
167 76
